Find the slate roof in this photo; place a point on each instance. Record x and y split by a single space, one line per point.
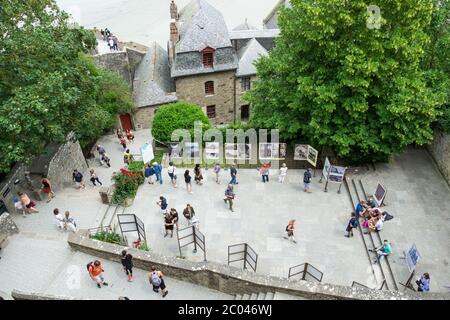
279 4
152 83
200 26
248 55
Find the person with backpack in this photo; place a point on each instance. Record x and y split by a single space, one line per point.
171 171
156 280
128 157
233 173
162 203
127 263
307 177
95 270
149 172
94 178
229 196
168 224
353 223
290 231
78 178
101 151
189 214
158 172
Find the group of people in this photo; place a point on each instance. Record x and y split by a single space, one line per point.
171 216
111 40
155 276
64 222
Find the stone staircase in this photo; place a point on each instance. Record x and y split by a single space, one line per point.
266 296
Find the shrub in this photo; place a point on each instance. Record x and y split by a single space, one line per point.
126 183
136 166
180 115
108 236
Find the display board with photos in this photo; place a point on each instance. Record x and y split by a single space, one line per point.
336 174
212 150
272 151
176 151
380 194
192 150
304 152
326 168
238 151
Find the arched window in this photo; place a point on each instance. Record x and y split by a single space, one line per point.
208 57
209 87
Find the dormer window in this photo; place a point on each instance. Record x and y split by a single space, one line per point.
208 57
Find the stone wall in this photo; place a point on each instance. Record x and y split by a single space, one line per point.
192 89
68 157
21 295
440 150
134 59
239 94
144 117
115 61
7 225
232 280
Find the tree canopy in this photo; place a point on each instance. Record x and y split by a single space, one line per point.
179 115
334 80
48 86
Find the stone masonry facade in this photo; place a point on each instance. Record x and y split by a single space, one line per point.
240 97
440 150
192 88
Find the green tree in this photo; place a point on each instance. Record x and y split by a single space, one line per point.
335 81
436 61
179 115
48 87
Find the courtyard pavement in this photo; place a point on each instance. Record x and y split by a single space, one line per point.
37 258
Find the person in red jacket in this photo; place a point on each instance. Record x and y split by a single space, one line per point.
96 273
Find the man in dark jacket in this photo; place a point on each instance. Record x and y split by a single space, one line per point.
307 177
127 262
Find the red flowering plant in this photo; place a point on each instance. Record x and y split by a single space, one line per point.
127 182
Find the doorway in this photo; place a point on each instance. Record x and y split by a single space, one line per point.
125 121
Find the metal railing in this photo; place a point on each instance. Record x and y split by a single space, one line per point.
306 271
243 252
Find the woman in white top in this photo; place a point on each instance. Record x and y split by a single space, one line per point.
59 220
283 171
171 170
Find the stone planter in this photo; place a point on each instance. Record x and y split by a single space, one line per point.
128 202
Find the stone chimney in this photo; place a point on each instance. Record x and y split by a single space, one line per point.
174 37
173 11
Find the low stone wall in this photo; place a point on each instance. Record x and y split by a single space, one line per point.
232 280
440 150
20 295
7 225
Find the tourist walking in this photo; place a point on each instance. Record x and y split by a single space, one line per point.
94 178
47 188
198 174
106 35
69 222
130 136
28 204
127 157
233 173
168 224
115 43
352 223
217 172
171 171
96 273
229 196
111 44
423 284
264 170
383 251
123 142
105 159
307 177
158 172
119 133
78 178
155 278
162 203
127 263
188 181
101 151
189 214
283 172
290 231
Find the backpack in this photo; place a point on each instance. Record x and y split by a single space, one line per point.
387 216
307 177
155 279
89 265
355 223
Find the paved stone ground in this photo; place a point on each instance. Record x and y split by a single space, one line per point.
416 197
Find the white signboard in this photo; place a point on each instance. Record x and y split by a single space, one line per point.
147 153
326 168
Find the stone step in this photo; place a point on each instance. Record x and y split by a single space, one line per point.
261 296
253 296
238 297
245 297
269 296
